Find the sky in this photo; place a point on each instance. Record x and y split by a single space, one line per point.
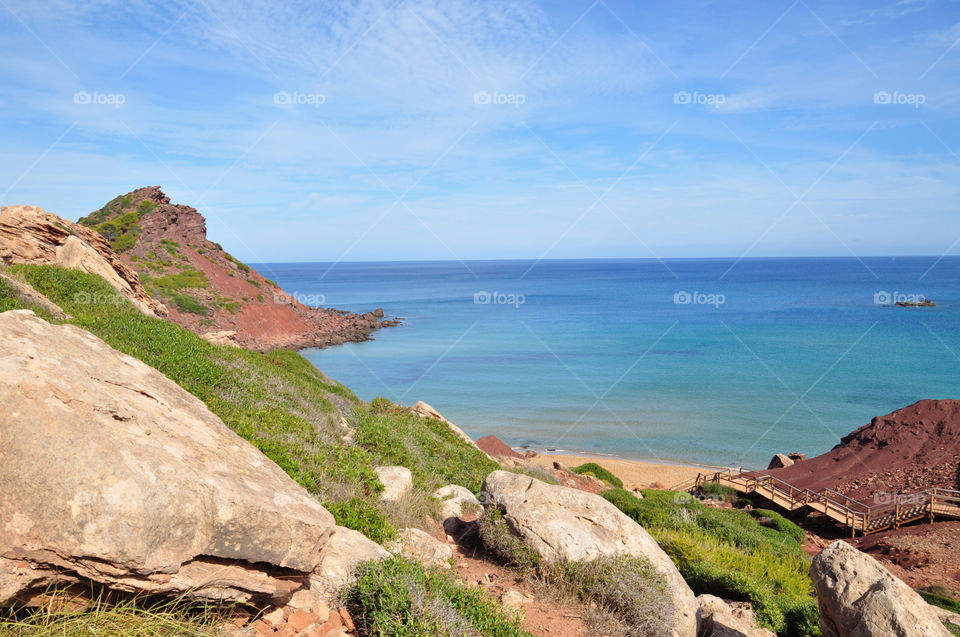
447 129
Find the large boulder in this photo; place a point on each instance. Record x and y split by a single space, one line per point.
29 234
564 524
114 474
858 597
779 461
397 482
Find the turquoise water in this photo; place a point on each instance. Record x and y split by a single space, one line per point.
771 355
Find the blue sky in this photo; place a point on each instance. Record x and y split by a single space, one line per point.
312 131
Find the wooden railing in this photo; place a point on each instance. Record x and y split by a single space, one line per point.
901 508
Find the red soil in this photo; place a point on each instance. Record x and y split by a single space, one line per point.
497 448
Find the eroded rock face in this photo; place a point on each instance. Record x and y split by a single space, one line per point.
858 597
29 234
113 473
560 523
780 461
719 619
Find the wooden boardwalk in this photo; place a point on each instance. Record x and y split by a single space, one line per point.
853 514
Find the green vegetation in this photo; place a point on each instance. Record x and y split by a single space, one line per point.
118 223
360 515
279 402
434 453
400 597
237 262
595 470
503 544
253 282
730 554
105 617
940 597
172 247
186 303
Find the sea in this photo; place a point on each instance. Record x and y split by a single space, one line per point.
718 362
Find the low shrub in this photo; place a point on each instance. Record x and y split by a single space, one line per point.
360 515
400 597
595 470
502 543
186 303
941 598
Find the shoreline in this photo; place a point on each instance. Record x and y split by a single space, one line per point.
635 474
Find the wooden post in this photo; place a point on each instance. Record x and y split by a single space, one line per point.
933 502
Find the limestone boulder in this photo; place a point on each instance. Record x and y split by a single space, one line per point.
455 501
397 482
29 234
345 550
422 547
858 597
560 523
780 461
114 474
720 619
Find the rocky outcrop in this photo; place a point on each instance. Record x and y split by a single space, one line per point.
560 523
112 473
779 461
343 552
424 410
858 597
497 448
422 547
454 501
397 482
224 337
720 619
29 234
212 291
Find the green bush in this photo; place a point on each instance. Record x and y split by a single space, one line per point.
399 597
360 515
775 520
496 536
186 303
595 470
728 553
719 491
940 597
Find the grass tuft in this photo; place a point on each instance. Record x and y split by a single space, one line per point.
595 470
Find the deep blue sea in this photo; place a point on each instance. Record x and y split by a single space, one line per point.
709 361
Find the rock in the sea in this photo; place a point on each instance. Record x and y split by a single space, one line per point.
858 597
113 473
454 500
719 619
397 482
422 547
29 234
780 461
560 523
340 556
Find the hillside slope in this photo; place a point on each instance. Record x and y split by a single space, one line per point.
208 290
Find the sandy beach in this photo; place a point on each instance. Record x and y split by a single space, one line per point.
635 474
